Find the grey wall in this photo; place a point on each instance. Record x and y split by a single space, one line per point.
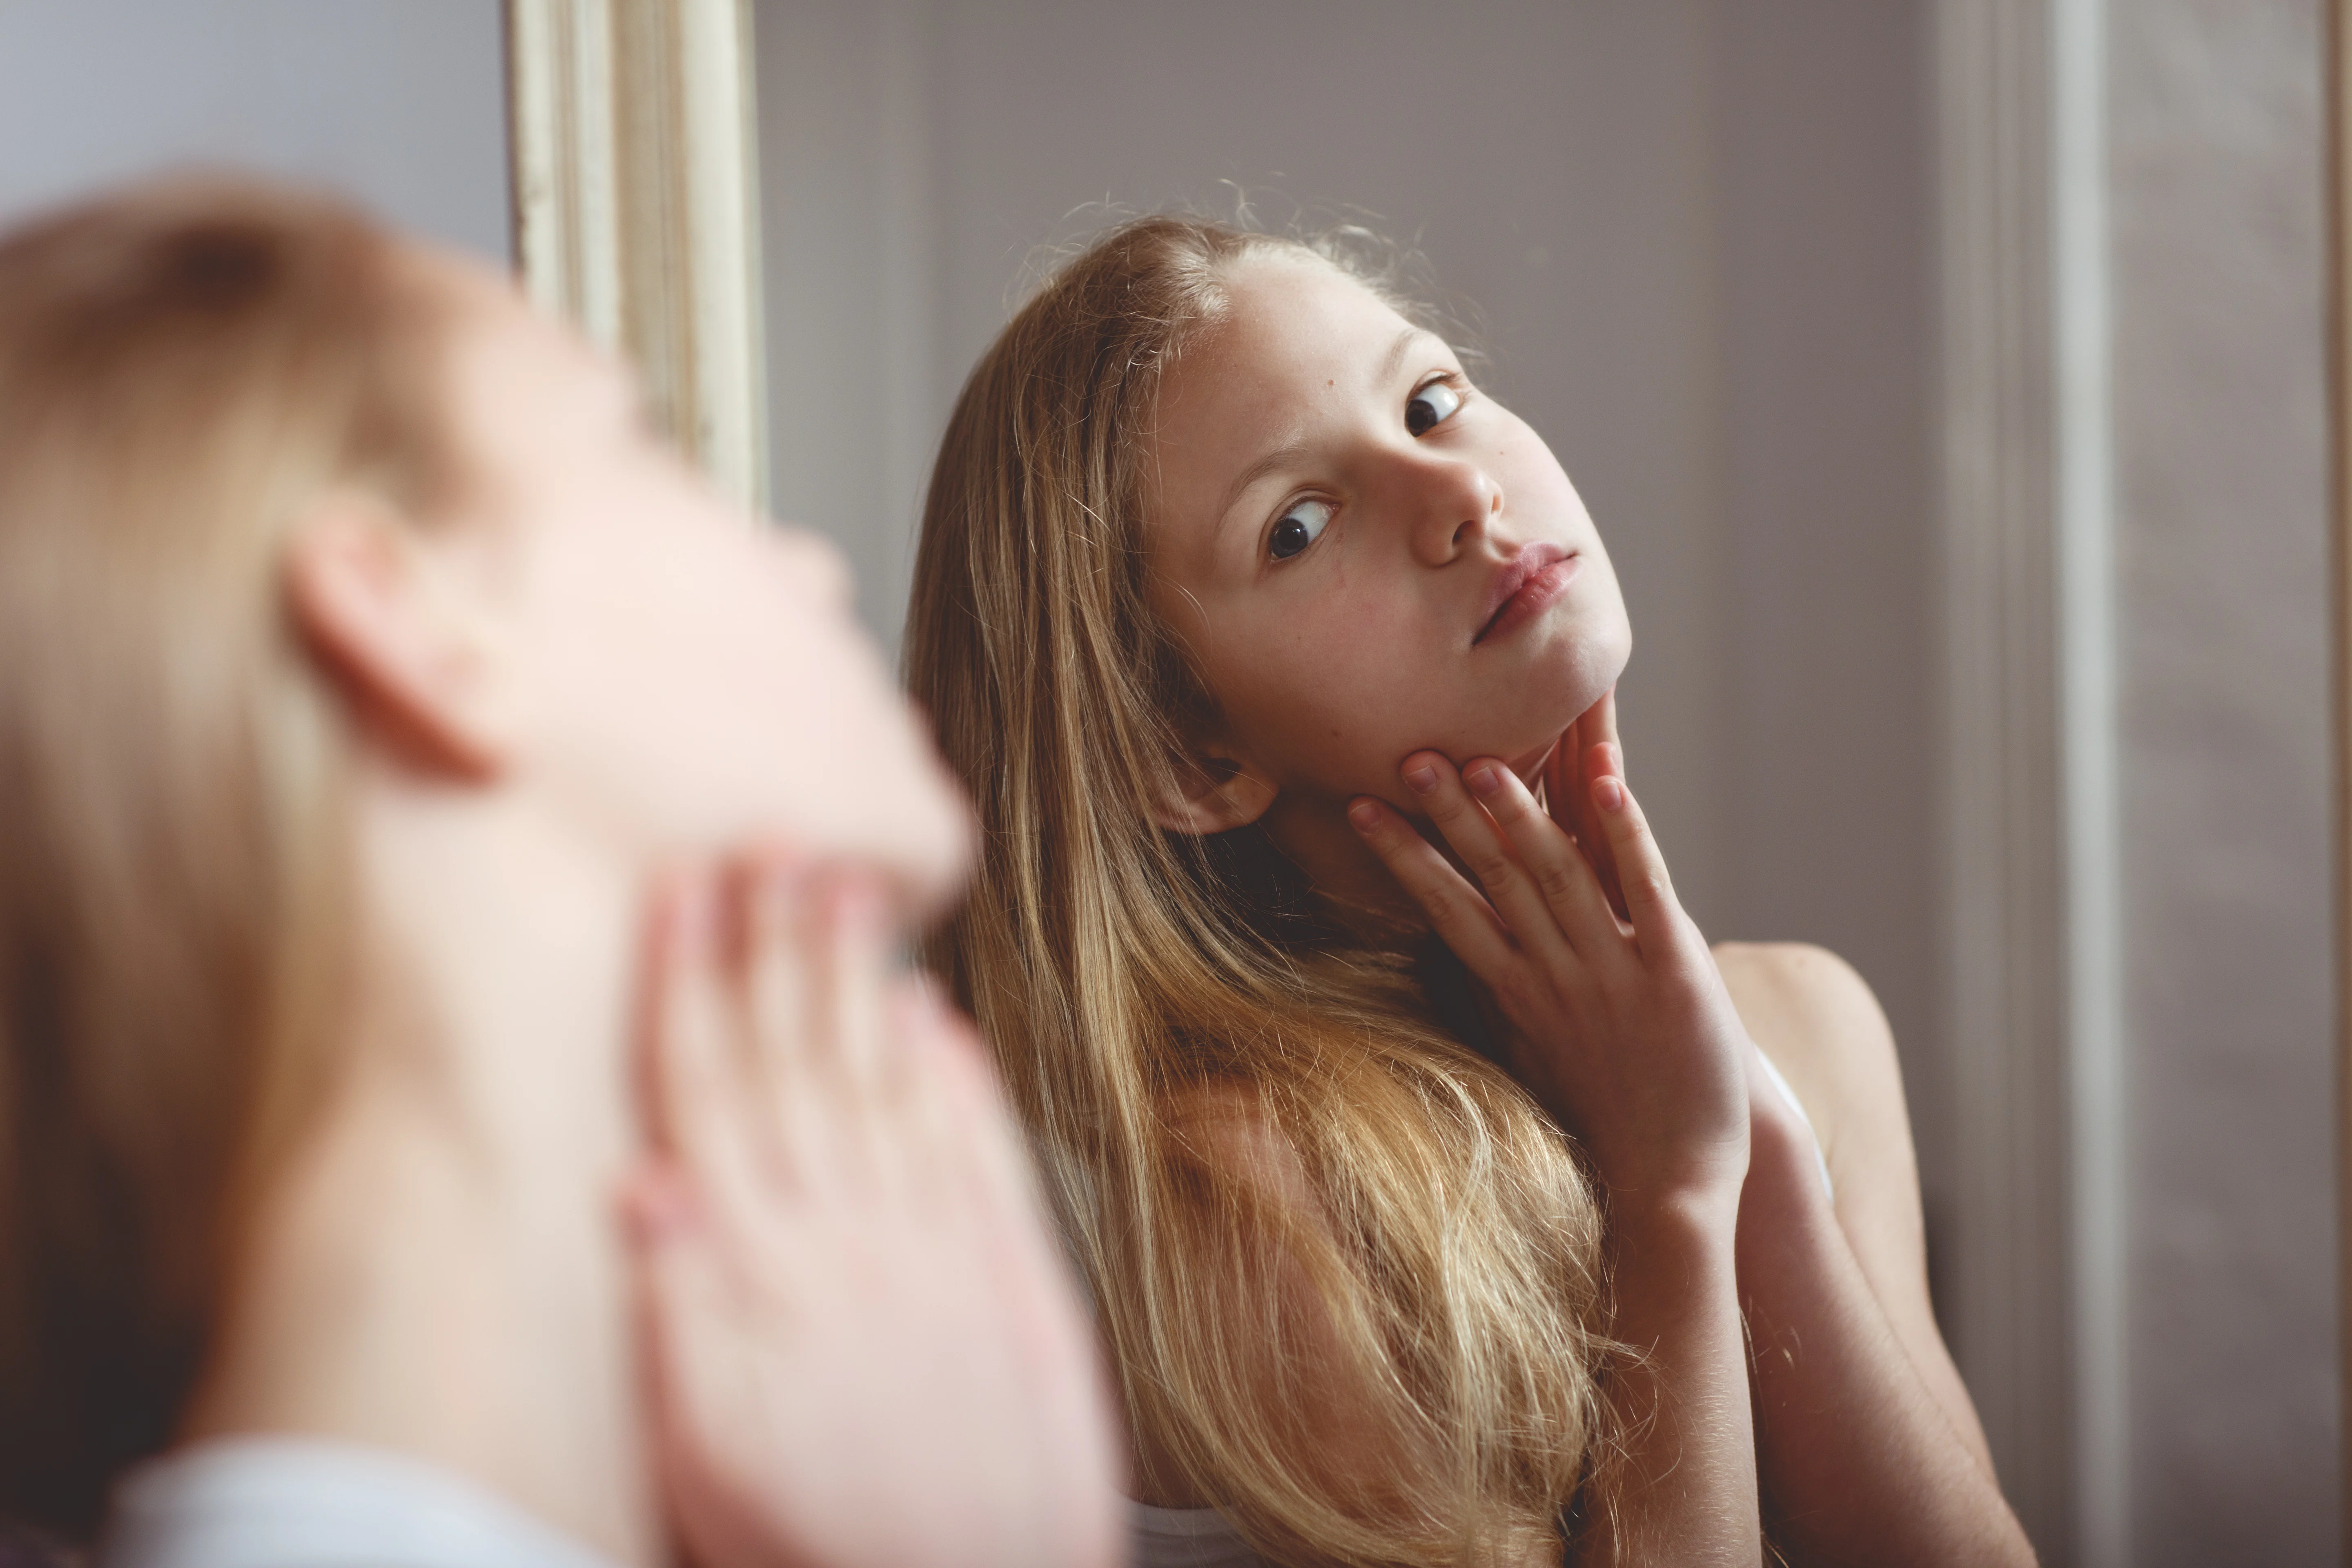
2222 455
1693 234
398 103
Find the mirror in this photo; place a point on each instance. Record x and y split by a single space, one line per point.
1945 378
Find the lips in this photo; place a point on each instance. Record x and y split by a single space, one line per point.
1523 585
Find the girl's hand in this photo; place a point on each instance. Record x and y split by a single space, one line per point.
862 1346
1587 752
1622 1027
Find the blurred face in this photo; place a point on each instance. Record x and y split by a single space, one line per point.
681 680
1368 555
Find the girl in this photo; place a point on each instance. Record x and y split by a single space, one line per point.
366 661
1226 566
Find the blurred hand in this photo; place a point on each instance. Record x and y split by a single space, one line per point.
862 1346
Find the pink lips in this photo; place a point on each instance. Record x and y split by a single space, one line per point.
1524 584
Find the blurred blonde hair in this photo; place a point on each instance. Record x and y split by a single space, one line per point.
1400 1238
182 366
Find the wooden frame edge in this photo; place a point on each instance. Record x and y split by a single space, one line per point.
633 138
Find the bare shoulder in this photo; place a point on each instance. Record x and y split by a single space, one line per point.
1820 1023
1228 1128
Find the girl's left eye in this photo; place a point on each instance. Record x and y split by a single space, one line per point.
1296 529
1431 406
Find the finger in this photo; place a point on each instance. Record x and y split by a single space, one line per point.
1659 924
1602 759
1474 836
782 1025
986 1157
694 1063
854 987
680 1305
936 1121
1009 1220
1588 749
1457 911
661 1098
1553 861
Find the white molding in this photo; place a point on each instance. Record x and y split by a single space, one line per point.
2091 769
2006 932
636 205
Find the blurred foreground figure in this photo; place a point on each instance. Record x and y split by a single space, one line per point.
427 1135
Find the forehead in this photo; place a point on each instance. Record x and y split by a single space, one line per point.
1289 320
1297 338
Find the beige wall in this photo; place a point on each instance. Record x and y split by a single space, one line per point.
2216 126
399 103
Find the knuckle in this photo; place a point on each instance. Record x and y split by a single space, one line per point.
1494 868
1648 884
1437 899
1557 883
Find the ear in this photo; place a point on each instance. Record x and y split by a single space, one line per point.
393 616
1215 789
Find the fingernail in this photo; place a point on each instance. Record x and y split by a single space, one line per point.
1486 780
1365 815
1610 793
1423 778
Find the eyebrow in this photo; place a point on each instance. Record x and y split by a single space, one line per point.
1290 451
1399 349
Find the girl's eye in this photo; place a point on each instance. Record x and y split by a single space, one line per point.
1431 406
1296 529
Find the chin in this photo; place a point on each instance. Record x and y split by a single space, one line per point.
1573 675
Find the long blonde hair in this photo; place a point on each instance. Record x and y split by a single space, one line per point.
1128 976
182 367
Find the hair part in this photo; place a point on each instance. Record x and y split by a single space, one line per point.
1394 1229
184 367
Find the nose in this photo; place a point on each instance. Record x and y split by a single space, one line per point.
1454 501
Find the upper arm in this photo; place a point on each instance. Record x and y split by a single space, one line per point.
1819 1021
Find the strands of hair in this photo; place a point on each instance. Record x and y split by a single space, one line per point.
182 367
1348 1273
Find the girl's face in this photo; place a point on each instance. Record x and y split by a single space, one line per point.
1367 555
675 679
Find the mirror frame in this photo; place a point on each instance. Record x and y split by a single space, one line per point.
633 145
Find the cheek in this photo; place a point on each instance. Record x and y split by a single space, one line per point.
699 694
1318 692
1331 694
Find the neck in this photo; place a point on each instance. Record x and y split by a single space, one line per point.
1312 832
437 1272
1353 886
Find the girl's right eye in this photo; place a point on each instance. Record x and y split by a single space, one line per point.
1296 529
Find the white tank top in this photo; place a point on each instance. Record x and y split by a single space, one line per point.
1186 1538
